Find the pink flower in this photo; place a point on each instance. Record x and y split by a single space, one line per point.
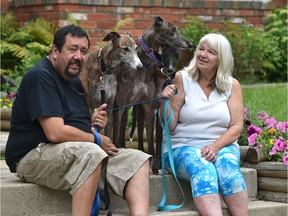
267 134
253 129
270 122
282 126
245 112
252 139
263 115
280 145
273 151
285 159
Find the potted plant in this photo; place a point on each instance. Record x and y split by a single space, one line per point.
266 135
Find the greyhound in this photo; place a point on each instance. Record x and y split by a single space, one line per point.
170 57
101 69
134 87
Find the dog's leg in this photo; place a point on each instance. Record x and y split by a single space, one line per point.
134 122
140 127
123 124
116 128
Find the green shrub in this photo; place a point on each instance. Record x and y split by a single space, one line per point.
256 54
260 54
194 30
22 47
277 30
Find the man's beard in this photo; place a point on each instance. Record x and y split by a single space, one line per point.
70 73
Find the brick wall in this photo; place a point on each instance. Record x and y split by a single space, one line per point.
98 17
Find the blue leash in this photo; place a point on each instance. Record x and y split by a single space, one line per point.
134 104
166 132
99 196
96 203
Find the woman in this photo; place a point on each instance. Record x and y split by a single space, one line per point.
207 121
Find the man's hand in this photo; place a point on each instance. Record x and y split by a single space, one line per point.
100 117
107 144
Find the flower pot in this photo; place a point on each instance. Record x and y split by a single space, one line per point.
5 118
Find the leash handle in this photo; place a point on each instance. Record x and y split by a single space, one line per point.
102 95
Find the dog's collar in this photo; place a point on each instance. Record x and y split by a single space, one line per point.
150 53
103 65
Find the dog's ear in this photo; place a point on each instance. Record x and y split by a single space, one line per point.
128 34
158 21
111 36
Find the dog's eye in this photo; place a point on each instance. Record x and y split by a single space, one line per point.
173 29
125 49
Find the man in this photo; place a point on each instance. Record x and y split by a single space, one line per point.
51 143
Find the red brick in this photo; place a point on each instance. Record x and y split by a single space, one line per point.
128 26
135 33
23 17
230 12
210 4
4 5
88 24
106 25
197 11
105 9
105 17
97 16
180 11
211 12
113 17
143 25
254 20
67 7
246 12
86 8
37 9
214 25
50 16
134 16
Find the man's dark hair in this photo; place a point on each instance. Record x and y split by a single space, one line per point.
73 30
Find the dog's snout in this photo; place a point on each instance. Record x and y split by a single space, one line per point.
139 67
190 44
170 70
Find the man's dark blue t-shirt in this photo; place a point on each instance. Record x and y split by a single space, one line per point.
43 93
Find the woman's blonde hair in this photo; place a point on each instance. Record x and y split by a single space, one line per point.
225 68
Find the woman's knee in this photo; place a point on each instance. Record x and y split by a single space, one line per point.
229 173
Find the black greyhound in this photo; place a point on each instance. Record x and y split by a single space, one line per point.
133 86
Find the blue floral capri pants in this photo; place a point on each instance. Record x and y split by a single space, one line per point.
205 177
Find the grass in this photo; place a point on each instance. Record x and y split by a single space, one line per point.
271 98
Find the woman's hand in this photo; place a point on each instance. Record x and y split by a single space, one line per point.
169 90
100 117
210 152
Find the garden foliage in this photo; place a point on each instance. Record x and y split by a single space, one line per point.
22 47
260 54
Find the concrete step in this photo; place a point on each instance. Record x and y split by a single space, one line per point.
256 208
19 198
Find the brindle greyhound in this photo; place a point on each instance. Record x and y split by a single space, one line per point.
134 87
170 57
102 66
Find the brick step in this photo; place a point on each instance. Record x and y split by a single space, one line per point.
30 199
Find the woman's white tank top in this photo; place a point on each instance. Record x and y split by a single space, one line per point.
202 120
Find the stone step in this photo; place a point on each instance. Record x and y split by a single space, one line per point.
19 198
256 208
30 199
